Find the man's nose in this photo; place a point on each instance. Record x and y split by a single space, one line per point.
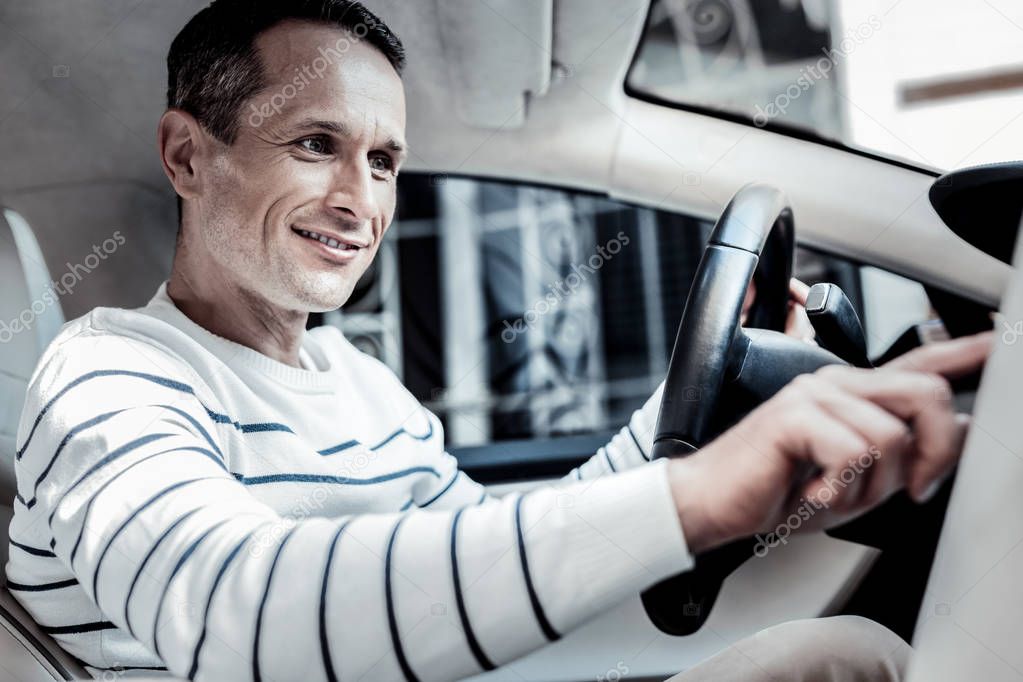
352 192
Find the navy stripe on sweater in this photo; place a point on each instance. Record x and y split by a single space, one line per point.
338 448
115 454
209 603
98 420
258 427
131 517
392 619
78 628
341 447
338 480
33 551
470 636
635 440
328 663
534 600
145 561
75 430
443 490
162 381
108 482
43 587
401 431
92 498
189 551
216 417
256 674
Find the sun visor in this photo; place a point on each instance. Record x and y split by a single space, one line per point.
498 55
983 205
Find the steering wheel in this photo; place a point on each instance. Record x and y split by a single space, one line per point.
720 370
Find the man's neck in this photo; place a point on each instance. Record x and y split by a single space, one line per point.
234 313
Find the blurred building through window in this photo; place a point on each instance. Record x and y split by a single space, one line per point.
520 312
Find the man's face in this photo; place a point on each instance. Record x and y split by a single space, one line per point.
315 159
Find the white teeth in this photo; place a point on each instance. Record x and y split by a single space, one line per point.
332 243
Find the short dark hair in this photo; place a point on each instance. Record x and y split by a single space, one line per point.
213 66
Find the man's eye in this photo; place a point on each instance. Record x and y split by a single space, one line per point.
316 145
381 164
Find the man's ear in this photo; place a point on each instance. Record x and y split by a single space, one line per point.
179 138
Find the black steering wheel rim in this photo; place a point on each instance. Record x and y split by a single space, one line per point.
720 370
758 220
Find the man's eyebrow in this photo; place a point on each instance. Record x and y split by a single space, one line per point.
324 125
396 147
342 130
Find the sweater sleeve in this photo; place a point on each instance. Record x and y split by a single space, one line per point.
630 447
143 509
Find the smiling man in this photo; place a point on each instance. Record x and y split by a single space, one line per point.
205 485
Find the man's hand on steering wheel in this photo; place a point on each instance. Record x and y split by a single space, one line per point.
832 445
797 324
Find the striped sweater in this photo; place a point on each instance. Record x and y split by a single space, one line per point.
184 501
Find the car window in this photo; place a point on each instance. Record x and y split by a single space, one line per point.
522 312
893 77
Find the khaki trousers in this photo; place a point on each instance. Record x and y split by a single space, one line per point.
837 649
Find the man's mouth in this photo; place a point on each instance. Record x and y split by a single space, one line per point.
327 241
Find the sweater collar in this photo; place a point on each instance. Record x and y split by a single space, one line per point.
317 374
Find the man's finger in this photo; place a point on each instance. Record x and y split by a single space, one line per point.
928 473
922 400
830 445
798 291
881 467
878 426
798 325
950 359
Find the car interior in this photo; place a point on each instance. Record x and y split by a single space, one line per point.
540 131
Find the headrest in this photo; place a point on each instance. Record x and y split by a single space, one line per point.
30 317
983 205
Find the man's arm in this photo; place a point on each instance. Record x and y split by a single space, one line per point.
628 448
147 515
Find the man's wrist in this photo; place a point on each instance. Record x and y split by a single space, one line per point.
688 485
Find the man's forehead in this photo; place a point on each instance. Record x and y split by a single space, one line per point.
320 74
296 47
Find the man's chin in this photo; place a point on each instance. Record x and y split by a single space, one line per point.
323 299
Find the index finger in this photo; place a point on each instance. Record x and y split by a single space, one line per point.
950 359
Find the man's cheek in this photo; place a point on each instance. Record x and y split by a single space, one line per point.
382 224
